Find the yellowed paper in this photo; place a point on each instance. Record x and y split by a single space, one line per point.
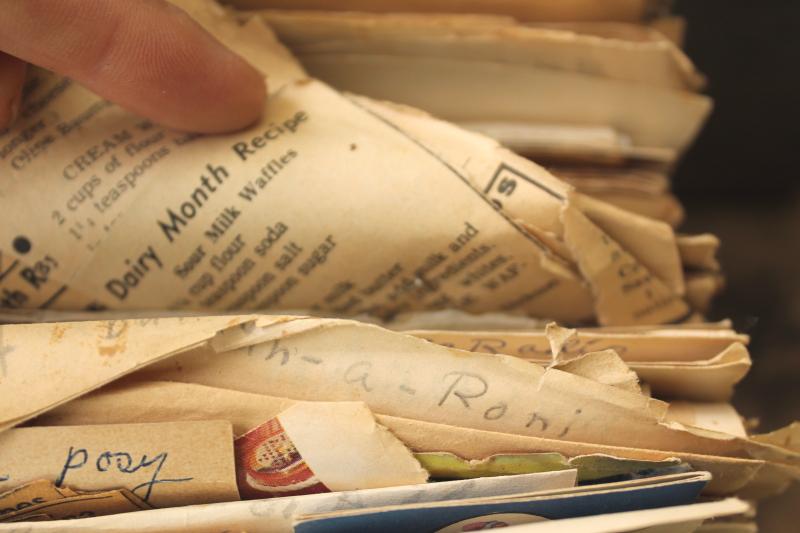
338 360
535 140
590 467
730 475
538 75
651 242
450 394
674 363
454 319
663 207
701 289
327 434
165 401
204 241
524 96
525 10
334 360
544 206
321 447
460 391
699 251
650 60
29 495
598 466
81 506
715 416
595 178
641 191
444 465
457 320
706 380
604 367
634 345
168 401
176 463
623 289
48 364
305 268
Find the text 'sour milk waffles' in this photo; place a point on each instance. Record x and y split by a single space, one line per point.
332 202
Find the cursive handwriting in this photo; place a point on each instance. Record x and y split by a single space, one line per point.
77 458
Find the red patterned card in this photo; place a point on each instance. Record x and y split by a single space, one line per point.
268 464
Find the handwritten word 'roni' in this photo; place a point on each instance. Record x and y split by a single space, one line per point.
77 458
473 386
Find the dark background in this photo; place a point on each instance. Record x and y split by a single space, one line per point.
741 181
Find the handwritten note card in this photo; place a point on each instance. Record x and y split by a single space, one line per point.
165 464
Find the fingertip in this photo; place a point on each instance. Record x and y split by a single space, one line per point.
210 87
218 108
243 103
254 100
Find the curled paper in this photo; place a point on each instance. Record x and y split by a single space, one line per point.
287 214
322 447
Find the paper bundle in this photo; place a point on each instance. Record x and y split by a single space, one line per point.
523 10
123 393
605 107
701 362
208 409
333 203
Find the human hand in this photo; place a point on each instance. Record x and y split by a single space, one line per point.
146 55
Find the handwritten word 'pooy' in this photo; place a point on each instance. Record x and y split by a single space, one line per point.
107 461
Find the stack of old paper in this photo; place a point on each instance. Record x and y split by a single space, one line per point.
333 202
207 409
607 107
342 205
698 362
652 12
